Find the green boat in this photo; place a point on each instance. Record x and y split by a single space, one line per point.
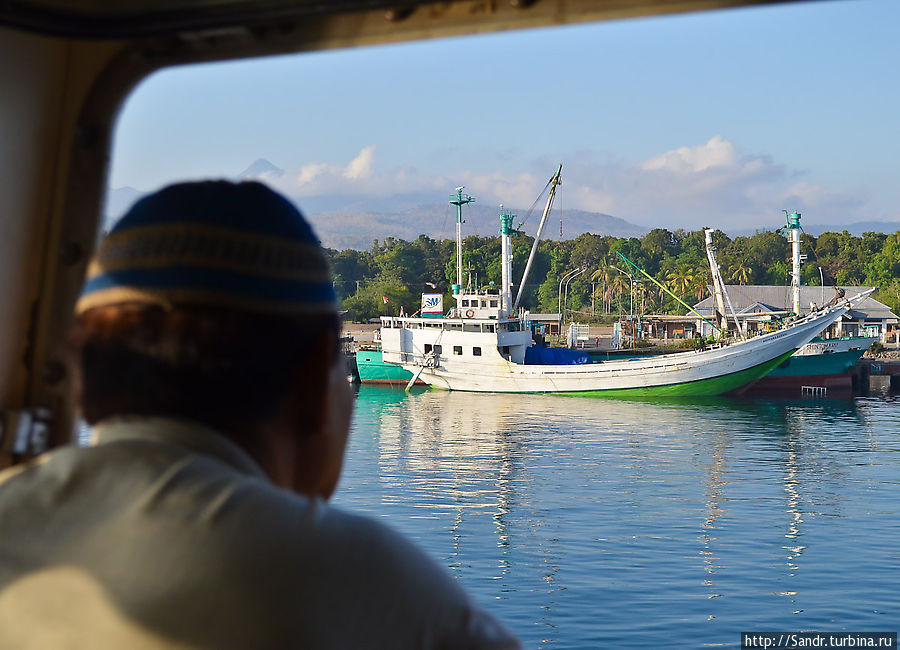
821 363
373 370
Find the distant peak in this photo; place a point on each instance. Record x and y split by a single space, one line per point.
262 168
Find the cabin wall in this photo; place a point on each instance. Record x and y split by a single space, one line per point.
32 83
43 85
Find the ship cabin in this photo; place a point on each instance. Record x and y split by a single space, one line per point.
478 304
477 330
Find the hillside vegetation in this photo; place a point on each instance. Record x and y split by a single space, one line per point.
400 271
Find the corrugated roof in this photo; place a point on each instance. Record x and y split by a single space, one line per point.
777 299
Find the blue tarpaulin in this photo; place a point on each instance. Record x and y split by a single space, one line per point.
537 355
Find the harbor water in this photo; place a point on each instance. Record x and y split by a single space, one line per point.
595 523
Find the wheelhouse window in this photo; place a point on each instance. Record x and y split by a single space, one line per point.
457 349
476 352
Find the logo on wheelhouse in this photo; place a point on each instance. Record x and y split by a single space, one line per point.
432 304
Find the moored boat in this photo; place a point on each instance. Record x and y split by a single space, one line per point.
488 355
373 370
821 363
483 343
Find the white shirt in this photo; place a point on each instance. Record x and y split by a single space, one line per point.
165 534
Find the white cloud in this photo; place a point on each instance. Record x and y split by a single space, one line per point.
309 173
718 152
361 166
514 190
356 177
714 183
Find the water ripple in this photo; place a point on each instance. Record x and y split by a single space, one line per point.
598 523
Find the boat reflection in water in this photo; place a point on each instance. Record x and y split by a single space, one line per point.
586 523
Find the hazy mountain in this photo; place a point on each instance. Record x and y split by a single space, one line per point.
343 221
341 203
349 229
355 222
261 169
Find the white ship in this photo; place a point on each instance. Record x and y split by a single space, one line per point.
482 343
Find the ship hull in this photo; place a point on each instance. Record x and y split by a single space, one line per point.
702 373
822 363
373 370
792 386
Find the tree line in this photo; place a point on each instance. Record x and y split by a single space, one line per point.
395 272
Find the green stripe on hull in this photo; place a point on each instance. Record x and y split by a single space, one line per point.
699 388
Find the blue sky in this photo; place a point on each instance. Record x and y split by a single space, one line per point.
720 118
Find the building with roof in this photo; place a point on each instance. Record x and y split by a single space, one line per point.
547 324
760 307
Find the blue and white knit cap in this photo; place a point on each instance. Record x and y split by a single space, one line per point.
235 245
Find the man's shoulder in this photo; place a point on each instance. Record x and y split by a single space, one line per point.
273 560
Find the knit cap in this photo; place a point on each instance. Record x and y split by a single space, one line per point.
235 245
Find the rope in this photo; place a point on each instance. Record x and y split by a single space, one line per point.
536 201
657 283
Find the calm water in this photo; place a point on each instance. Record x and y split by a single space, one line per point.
585 523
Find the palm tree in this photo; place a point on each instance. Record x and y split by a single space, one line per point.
604 275
742 274
620 284
644 294
681 280
699 286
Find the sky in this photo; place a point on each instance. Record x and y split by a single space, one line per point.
707 119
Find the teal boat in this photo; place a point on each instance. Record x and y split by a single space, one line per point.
821 363
373 370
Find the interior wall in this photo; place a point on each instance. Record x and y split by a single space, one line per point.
32 86
44 83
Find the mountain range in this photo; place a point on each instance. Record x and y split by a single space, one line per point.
355 222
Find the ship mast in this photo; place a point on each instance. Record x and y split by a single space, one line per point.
507 231
459 201
719 287
554 182
793 228
721 317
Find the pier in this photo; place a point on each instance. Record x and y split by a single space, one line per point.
866 369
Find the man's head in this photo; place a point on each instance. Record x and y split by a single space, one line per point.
213 301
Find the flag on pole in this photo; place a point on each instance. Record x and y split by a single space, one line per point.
385 298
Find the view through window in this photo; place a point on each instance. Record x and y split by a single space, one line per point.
583 522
